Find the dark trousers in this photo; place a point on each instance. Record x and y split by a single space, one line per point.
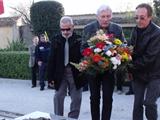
42 71
130 86
60 94
120 76
146 95
106 82
34 71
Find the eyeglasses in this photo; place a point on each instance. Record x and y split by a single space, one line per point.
140 18
67 29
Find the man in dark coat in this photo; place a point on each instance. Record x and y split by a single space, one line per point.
146 64
106 80
65 48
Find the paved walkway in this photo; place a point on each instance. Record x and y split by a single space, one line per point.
17 96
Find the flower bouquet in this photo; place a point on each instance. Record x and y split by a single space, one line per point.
105 52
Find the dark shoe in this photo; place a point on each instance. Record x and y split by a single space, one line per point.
85 89
129 93
33 86
42 88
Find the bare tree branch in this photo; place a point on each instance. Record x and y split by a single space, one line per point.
24 10
27 20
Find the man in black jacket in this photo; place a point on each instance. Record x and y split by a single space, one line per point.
146 64
106 80
65 48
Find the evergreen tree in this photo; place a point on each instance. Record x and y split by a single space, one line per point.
157 7
45 16
156 4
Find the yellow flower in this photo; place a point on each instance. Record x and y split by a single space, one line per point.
124 56
117 42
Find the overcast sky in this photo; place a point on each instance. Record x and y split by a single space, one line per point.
73 7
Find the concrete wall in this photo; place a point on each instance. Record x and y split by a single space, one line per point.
7 34
26 34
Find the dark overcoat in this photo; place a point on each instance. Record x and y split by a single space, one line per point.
56 65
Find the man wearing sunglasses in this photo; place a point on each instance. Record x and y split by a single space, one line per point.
146 64
65 48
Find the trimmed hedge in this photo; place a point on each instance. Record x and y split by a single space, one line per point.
14 64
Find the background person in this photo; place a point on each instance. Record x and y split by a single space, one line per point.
146 64
32 61
130 91
50 83
42 52
106 80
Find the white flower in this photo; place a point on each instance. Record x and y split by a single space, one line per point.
97 50
108 42
116 62
108 53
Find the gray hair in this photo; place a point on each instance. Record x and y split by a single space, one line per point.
66 19
103 8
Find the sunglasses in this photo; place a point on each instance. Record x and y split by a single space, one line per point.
67 29
140 18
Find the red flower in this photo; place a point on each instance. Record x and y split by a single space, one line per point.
87 52
110 35
100 45
96 58
127 51
85 62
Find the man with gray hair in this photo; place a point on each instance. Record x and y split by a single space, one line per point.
65 48
105 80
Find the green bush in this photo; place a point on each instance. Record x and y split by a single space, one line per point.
17 45
14 65
45 16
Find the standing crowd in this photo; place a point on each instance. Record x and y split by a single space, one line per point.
54 59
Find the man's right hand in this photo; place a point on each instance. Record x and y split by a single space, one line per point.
39 63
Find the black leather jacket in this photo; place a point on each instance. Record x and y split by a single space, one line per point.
146 53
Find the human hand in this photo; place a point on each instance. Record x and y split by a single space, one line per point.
51 85
39 63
